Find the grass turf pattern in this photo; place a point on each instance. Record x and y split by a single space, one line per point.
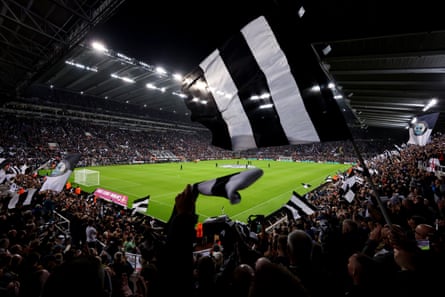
163 181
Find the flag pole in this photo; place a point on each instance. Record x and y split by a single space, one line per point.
373 187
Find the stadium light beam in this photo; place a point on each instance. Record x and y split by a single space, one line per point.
100 47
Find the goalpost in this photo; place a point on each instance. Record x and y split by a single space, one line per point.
87 177
285 159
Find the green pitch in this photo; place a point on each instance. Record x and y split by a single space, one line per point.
165 180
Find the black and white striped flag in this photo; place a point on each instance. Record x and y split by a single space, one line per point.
265 87
328 179
140 205
293 210
60 175
23 198
228 186
12 203
299 204
29 196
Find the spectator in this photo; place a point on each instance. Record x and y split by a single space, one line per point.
176 262
242 278
80 276
300 249
275 280
422 234
91 234
32 276
365 275
415 273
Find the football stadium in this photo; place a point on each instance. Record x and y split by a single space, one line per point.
250 149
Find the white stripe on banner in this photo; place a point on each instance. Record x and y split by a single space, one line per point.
140 205
285 93
294 212
349 196
56 183
307 210
229 104
257 90
29 195
228 186
14 200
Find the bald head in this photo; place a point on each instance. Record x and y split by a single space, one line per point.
424 231
299 245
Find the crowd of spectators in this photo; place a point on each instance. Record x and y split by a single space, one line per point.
35 140
346 248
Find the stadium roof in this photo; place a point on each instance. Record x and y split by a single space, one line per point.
35 35
389 61
114 76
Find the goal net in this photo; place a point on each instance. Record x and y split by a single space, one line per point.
285 158
87 177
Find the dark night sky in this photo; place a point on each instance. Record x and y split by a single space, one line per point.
174 33
179 34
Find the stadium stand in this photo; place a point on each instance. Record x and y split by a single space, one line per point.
51 230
